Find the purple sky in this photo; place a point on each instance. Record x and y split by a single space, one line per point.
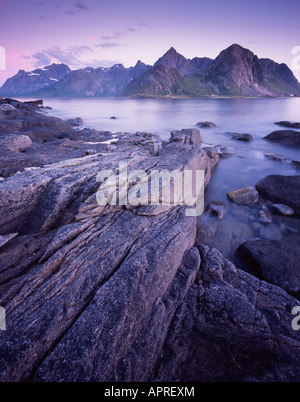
97 33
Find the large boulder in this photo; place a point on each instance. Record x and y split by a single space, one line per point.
242 137
281 189
273 261
286 137
187 136
7 108
16 142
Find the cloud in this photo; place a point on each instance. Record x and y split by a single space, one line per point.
115 35
81 6
106 45
72 56
41 59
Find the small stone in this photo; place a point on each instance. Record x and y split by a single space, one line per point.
217 208
277 157
90 152
245 196
206 124
282 209
265 216
242 137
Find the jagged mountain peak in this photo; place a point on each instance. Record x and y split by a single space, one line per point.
171 56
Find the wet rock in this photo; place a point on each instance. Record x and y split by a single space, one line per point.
282 209
245 196
273 261
296 163
281 189
277 157
224 152
290 124
242 137
217 208
264 216
206 124
286 137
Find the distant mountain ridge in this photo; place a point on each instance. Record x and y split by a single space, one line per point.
24 82
236 71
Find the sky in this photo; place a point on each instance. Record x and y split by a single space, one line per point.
81 33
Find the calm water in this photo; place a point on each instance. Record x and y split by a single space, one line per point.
248 164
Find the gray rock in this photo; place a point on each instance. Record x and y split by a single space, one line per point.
281 189
217 208
76 122
16 142
7 108
273 261
7 238
282 209
285 137
277 157
264 216
242 137
296 163
245 196
206 124
290 124
187 136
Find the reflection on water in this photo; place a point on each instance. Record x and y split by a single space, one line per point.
248 164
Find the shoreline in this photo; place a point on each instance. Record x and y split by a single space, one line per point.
159 97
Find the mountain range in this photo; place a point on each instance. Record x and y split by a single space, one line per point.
236 71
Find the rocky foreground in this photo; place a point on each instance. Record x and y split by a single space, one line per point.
121 293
